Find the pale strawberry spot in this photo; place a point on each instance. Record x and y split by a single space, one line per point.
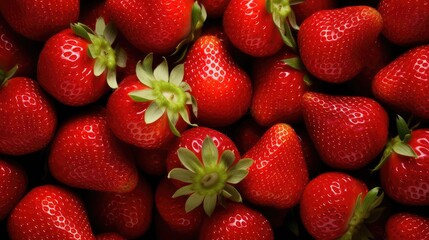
184 222
419 191
70 51
8 46
238 221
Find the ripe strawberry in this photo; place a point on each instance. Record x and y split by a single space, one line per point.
157 26
259 28
236 221
405 166
407 226
13 183
335 205
109 236
212 168
333 43
246 133
216 80
128 214
26 114
85 154
49 212
149 107
215 8
308 7
411 27
152 161
278 89
279 174
75 63
402 84
164 232
38 20
348 132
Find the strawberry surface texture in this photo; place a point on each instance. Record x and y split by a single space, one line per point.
214 119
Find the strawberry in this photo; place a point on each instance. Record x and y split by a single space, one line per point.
246 133
128 214
150 107
109 236
411 27
335 205
49 212
75 63
333 43
278 89
279 174
212 168
152 161
308 7
407 226
236 221
163 231
157 26
215 8
26 114
402 84
13 183
85 154
216 80
405 166
260 28
173 214
38 20
347 131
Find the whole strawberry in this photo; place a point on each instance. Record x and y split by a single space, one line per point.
407 226
13 183
335 205
402 84
49 212
28 117
347 131
216 80
86 154
77 65
333 43
279 173
38 20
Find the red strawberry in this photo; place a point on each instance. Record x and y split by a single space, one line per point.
128 214
212 169
216 80
278 89
335 205
246 133
215 8
75 63
236 221
172 211
164 232
333 43
49 212
13 183
38 20
85 154
411 27
109 236
308 7
149 107
403 83
279 174
157 26
152 161
259 28
405 166
26 114
407 226
348 132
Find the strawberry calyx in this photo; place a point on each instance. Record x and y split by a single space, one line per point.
166 91
296 63
210 180
284 18
365 211
398 144
5 76
100 49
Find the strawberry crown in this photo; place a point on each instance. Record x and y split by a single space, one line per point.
211 180
166 92
5 76
100 49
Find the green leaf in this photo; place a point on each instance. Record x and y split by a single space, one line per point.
142 95
404 149
81 30
176 75
185 116
242 164
209 204
185 86
121 57
153 113
161 71
235 195
172 121
386 154
99 67
209 152
182 175
4 76
402 127
194 106
294 63
186 190
110 33
92 51
292 20
227 158
189 160
193 201
111 78
235 176
143 76
100 25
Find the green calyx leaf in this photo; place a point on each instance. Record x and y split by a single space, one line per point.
100 49
166 91
403 130
283 18
5 76
363 211
211 178
294 62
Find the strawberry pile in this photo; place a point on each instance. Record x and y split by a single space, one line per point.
214 119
